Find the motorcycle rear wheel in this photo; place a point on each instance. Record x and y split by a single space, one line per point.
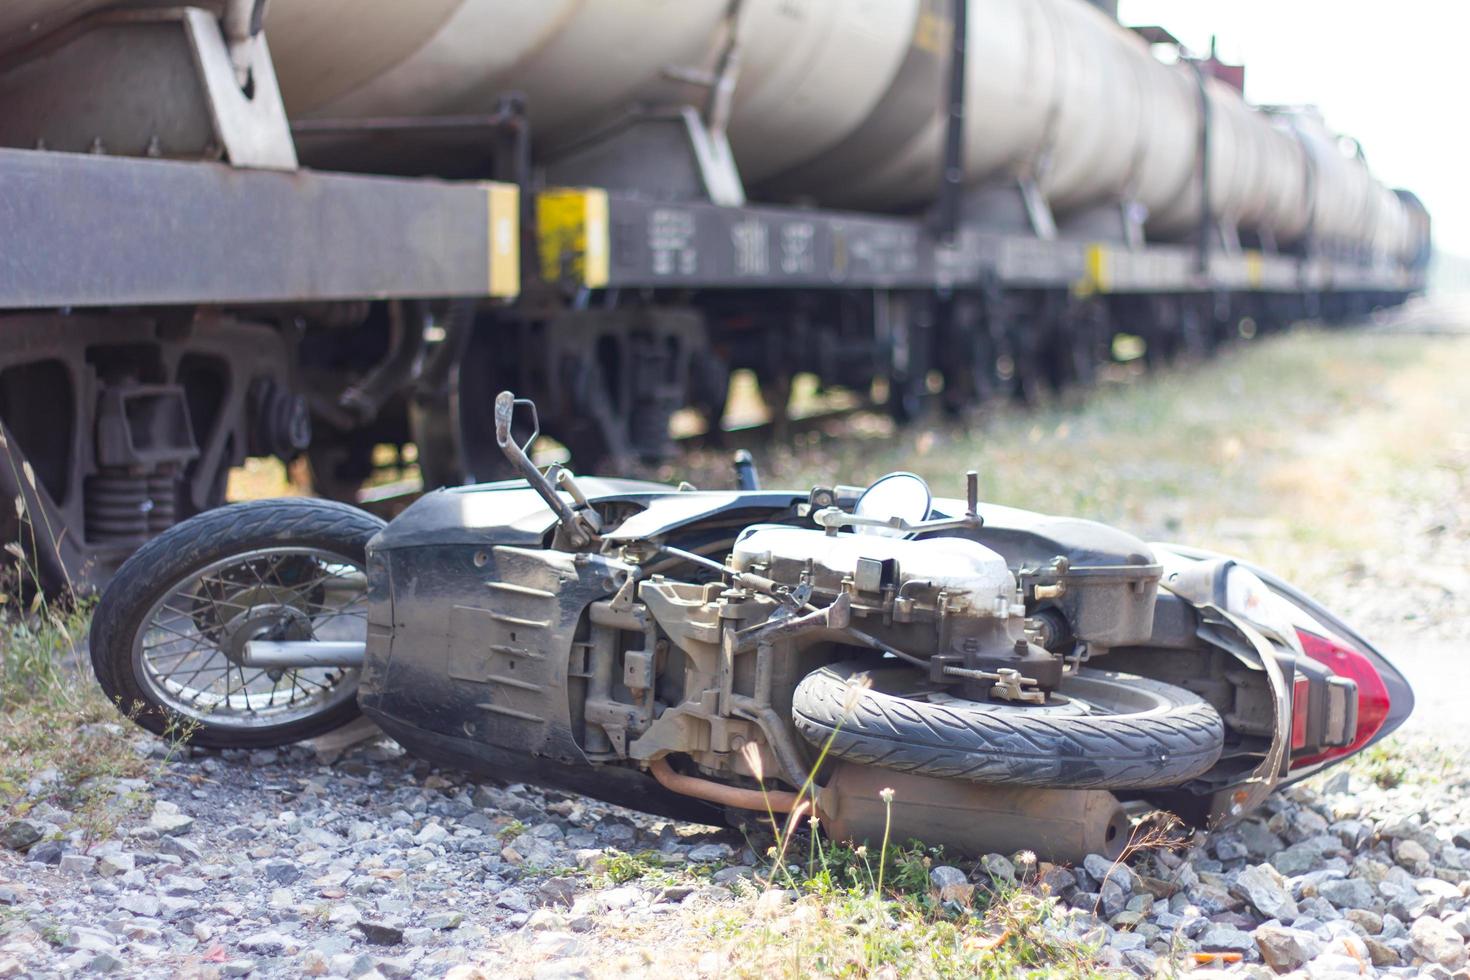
168 632
1101 730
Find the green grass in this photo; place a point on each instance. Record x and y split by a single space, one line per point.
841 922
61 742
648 868
63 745
1397 762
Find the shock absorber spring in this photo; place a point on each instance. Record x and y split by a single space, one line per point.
117 505
163 491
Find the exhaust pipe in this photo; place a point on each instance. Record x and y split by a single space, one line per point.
289 655
1060 825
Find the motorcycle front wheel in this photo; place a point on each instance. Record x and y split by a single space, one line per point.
1099 730
169 632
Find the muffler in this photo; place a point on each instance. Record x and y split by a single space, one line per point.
1060 825
296 654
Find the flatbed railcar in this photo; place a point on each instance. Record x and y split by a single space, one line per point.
318 228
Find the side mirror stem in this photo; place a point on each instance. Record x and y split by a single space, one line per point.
579 533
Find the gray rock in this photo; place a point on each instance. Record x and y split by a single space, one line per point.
1283 949
1296 860
269 943
281 872
180 885
622 897
710 853
1266 890
46 852
1410 854
1335 966
381 933
1084 901
145 905
21 834
1223 938
1458 921
1366 919
944 875
1193 925
1057 879
1113 898
1143 962
1352 833
1438 943
180 847
545 919
104 962
1230 848
111 865
89 939
443 920
1101 869
1212 899
1260 842
674 894
1305 823
557 891
1382 953
77 864
394 967
1348 893
166 819
998 868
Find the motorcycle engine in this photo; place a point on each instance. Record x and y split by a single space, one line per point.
948 600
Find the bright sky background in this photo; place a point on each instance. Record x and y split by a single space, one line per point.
1394 75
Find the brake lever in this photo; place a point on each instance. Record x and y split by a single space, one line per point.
579 530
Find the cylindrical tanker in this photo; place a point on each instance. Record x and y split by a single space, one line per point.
839 102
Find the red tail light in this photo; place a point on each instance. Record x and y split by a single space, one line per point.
1373 700
1301 690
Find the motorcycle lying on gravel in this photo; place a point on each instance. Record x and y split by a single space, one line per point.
988 678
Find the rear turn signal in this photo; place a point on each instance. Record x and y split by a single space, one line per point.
1352 695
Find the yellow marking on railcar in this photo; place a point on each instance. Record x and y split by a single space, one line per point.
504 212
933 32
1255 268
573 231
1097 276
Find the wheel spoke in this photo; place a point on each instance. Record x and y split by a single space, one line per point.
187 651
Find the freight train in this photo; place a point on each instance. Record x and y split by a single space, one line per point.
316 227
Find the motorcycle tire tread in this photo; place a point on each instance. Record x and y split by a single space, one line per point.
194 544
1162 748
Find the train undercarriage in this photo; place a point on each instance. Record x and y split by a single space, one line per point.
119 424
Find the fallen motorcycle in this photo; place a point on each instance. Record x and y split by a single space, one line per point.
988 678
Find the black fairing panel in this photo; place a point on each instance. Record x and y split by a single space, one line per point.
1028 539
511 513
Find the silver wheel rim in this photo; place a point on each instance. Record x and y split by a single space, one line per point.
186 653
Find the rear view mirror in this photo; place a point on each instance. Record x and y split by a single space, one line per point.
901 495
